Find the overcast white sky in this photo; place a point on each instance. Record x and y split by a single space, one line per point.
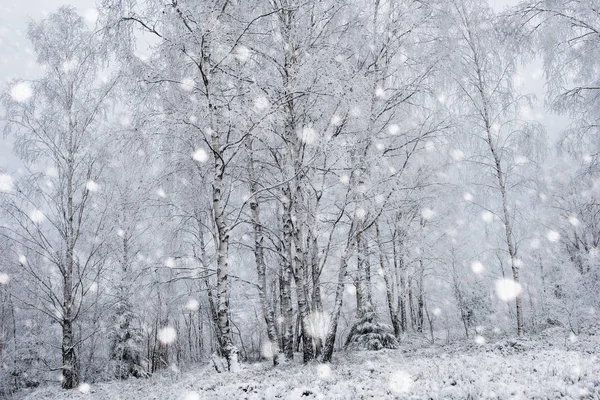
17 60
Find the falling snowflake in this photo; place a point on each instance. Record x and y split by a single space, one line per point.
457 155
22 259
37 216
307 135
84 388
167 335
261 103
573 220
92 186
360 213
268 350
6 183
480 340
336 120
317 324
468 197
192 305
394 129
380 92
487 216
21 92
427 213
507 289
553 236
188 84
242 53
477 267
520 160
161 193
170 262
121 233
200 155
4 278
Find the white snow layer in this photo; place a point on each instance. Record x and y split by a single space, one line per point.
544 368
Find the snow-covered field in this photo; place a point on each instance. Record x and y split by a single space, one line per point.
547 367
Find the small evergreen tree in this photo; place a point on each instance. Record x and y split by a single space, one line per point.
368 333
126 344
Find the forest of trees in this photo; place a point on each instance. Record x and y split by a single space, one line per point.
229 181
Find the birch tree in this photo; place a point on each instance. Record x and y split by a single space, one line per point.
55 215
259 254
566 36
497 121
203 62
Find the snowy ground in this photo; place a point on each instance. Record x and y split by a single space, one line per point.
544 368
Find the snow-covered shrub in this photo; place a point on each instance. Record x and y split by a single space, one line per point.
368 333
511 346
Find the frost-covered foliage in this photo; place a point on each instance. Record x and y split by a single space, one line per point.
240 181
565 36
